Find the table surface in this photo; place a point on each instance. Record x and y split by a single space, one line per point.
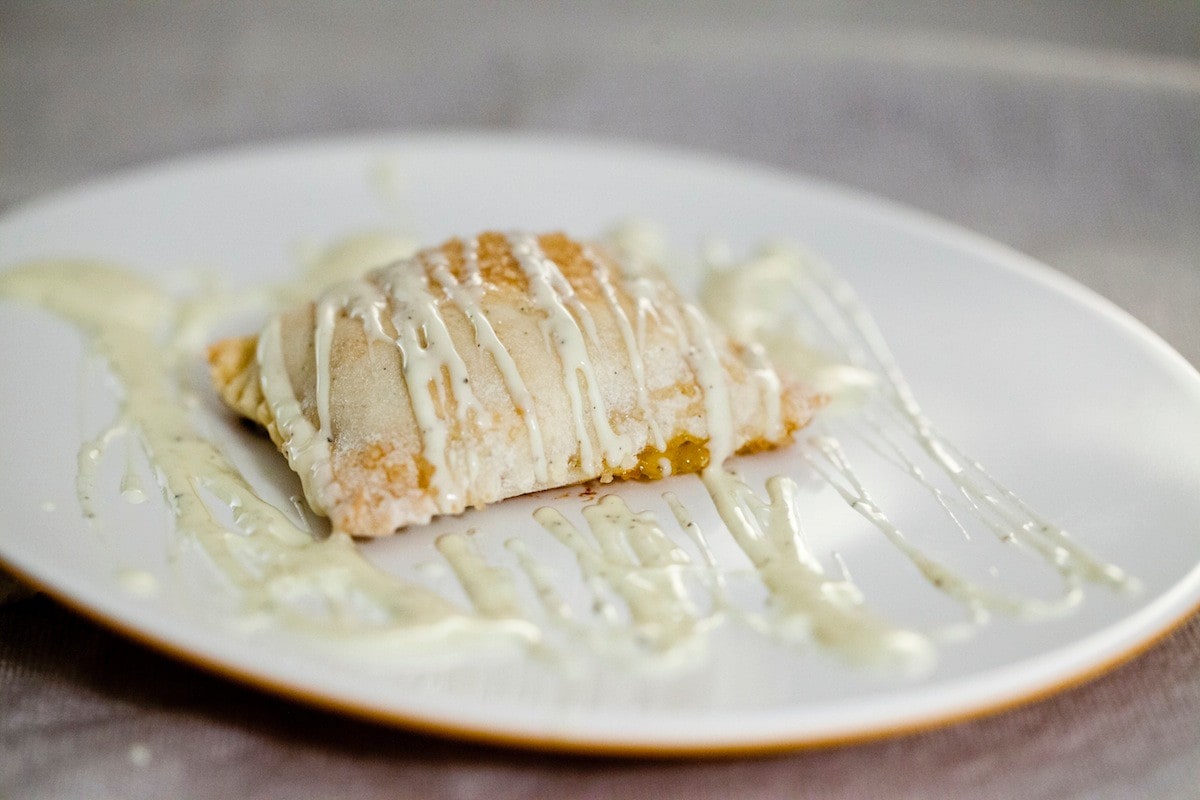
1070 131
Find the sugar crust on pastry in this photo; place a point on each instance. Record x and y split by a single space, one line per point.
494 367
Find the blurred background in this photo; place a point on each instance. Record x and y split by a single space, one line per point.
1069 130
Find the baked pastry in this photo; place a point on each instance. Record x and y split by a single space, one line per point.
489 368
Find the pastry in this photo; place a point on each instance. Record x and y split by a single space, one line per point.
493 367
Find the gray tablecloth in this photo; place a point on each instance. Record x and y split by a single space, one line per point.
1070 131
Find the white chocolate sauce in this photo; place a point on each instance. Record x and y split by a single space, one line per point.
706 364
567 327
492 590
277 568
466 296
784 284
631 555
427 353
647 590
635 342
307 448
831 612
138 582
399 305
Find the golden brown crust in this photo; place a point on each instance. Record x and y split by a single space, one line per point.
382 477
234 372
574 264
455 258
497 264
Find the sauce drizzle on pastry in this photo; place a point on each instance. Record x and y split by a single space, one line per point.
490 315
465 295
669 594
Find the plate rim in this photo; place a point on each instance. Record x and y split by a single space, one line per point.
603 747
1171 609
1002 255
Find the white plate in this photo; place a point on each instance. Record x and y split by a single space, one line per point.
1088 416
